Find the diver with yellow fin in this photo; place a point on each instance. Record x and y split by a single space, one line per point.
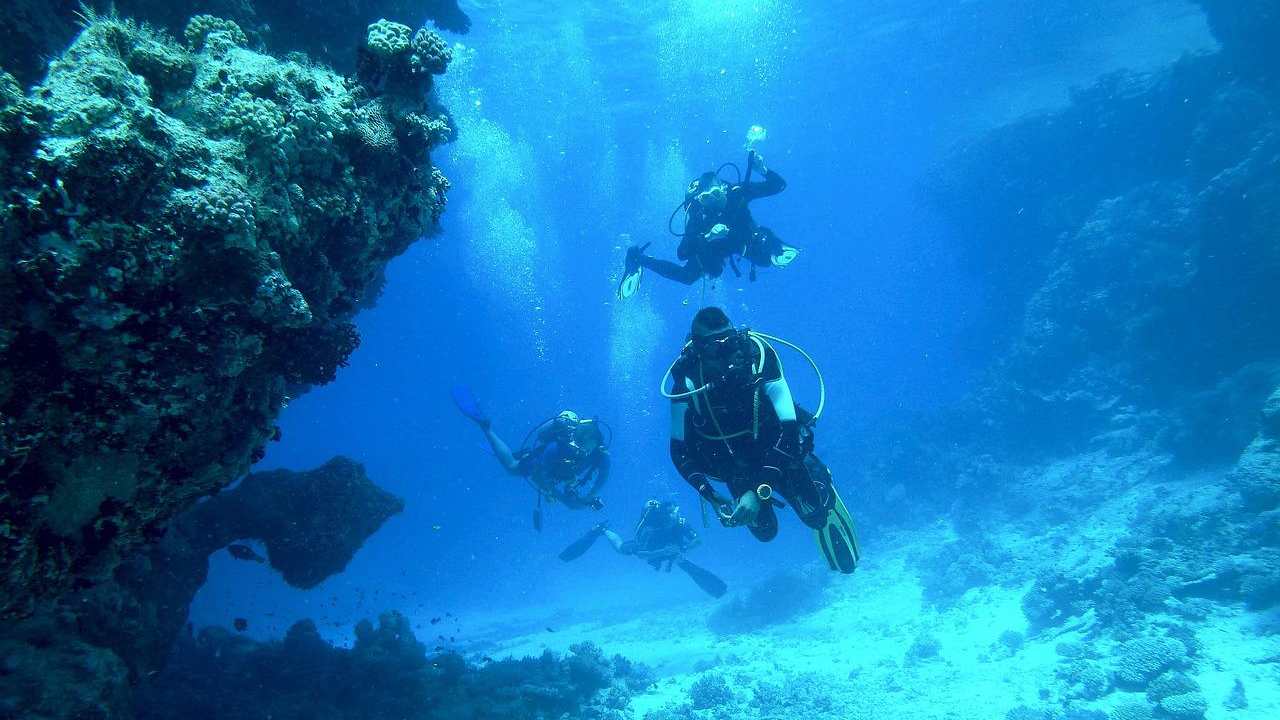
734 421
718 227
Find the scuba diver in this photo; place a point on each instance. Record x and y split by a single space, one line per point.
662 537
733 421
565 458
718 227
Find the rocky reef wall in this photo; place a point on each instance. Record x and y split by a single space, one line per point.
188 228
1129 249
1128 422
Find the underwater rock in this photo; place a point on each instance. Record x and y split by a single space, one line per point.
48 673
1246 29
312 523
1137 272
778 598
1256 475
386 675
123 628
188 231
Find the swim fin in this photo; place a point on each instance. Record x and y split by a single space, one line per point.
785 256
468 405
631 272
709 583
838 539
579 547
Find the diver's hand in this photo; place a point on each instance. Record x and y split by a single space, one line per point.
747 509
759 163
717 231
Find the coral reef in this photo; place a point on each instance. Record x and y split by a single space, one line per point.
188 231
387 675
312 523
36 30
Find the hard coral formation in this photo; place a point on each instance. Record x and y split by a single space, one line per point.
386 675
188 231
39 29
1138 661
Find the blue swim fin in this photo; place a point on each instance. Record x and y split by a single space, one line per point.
468 405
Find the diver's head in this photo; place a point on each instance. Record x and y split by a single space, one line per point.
710 322
712 334
708 192
568 415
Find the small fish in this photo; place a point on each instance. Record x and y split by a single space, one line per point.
550 630
437 528
244 552
240 624
435 621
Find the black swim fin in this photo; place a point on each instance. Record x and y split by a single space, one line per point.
631 272
579 547
705 579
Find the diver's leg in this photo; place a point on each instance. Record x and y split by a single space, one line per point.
807 486
686 274
502 451
616 541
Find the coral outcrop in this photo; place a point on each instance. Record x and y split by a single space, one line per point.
188 229
387 675
35 30
98 638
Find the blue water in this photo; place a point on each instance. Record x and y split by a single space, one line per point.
579 126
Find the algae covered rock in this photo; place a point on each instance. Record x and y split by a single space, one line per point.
187 232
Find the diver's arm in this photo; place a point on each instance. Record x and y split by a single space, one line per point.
771 185
502 451
600 473
687 464
780 397
785 408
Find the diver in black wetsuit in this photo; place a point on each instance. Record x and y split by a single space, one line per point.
733 421
718 228
566 458
662 537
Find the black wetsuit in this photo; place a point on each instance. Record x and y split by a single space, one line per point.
745 239
658 530
563 471
733 434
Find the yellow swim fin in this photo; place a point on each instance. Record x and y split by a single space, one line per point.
838 539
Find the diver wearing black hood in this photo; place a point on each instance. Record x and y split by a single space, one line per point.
718 228
734 421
